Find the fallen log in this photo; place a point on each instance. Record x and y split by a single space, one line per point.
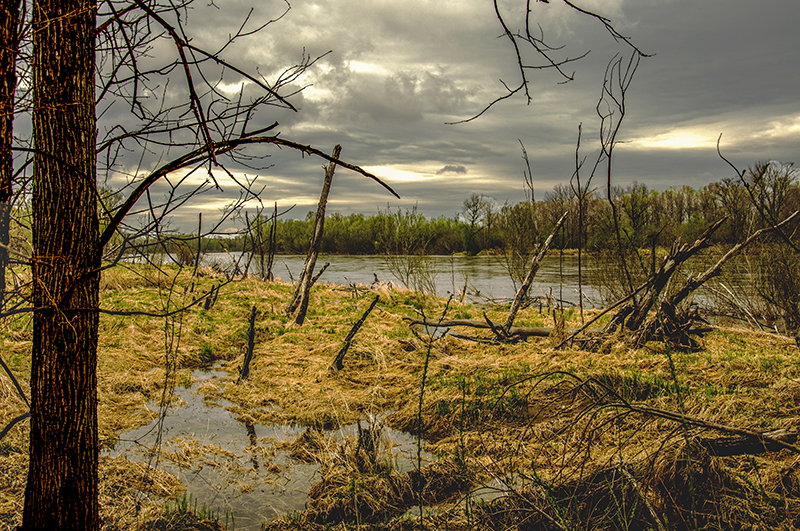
523 289
536 331
748 445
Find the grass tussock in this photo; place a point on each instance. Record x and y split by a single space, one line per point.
564 438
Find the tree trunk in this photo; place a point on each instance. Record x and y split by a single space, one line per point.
523 289
300 299
273 228
9 46
62 492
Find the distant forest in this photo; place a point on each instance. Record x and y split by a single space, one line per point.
645 217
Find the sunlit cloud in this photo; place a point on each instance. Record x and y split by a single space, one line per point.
284 201
368 68
396 174
785 127
677 139
231 89
228 181
397 72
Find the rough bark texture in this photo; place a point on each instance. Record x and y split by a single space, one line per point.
9 44
61 492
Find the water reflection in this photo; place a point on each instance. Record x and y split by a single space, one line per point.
234 467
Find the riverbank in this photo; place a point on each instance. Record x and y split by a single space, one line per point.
556 439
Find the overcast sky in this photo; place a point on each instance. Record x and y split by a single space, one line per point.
398 71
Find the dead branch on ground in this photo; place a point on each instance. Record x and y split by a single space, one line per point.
338 364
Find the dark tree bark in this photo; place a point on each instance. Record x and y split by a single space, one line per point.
9 46
251 344
62 491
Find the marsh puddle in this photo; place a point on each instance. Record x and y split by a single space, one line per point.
232 468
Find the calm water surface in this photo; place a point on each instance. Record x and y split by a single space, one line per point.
485 277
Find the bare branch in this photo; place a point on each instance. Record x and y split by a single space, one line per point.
541 49
220 148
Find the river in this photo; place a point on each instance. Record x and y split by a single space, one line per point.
485 277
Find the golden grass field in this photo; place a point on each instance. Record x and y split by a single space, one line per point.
562 435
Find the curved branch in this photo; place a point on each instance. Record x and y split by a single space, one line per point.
219 148
13 422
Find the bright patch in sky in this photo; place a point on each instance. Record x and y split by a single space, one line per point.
785 127
390 173
368 68
678 139
229 89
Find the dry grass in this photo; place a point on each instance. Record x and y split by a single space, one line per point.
489 410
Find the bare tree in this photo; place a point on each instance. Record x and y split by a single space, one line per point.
771 191
477 211
86 58
9 48
581 192
533 52
307 279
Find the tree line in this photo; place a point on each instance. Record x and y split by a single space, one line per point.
647 217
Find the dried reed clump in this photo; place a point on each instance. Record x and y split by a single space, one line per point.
695 489
9 398
347 496
13 473
359 483
13 454
132 492
181 521
309 447
789 481
121 477
682 487
603 499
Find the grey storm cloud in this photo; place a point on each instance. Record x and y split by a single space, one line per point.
452 168
390 77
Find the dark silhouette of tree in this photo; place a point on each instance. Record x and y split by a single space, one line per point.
62 486
477 213
9 46
82 58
